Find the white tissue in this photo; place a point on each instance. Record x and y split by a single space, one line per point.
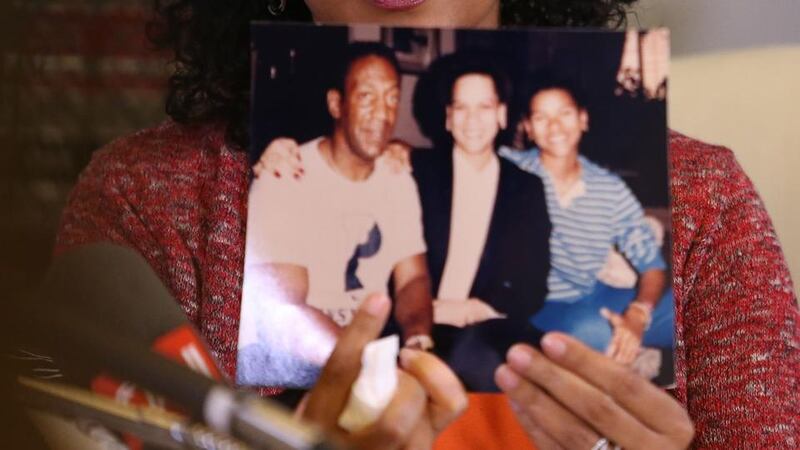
375 385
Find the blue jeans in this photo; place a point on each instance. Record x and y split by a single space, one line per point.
582 318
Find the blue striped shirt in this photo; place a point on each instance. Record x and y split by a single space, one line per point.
606 216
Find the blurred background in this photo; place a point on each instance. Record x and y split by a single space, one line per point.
74 74
734 81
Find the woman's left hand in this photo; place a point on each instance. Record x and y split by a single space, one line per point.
626 337
397 156
571 397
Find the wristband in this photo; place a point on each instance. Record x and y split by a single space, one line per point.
646 309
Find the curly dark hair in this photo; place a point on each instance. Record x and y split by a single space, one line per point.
211 52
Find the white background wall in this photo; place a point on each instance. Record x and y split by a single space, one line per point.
713 25
735 81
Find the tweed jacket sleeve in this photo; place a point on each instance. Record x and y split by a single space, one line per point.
738 326
178 196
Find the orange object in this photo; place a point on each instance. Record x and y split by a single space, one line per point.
488 423
185 346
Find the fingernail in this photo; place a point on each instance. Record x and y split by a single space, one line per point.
519 357
407 357
376 305
553 345
505 378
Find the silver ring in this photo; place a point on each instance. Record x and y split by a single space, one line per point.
276 7
601 444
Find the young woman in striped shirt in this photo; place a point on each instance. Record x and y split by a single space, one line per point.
592 211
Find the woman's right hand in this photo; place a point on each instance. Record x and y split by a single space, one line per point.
429 396
281 158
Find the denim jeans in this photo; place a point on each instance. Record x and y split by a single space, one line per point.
582 318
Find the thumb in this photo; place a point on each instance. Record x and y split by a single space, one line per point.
329 395
614 318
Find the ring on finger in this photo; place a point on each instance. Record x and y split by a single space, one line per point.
605 444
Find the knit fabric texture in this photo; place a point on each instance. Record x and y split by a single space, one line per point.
178 195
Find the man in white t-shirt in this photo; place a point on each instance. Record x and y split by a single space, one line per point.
315 249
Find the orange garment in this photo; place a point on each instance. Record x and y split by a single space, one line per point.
489 423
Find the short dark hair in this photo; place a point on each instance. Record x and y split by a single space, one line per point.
545 81
355 52
477 63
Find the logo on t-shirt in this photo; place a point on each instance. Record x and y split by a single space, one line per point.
366 249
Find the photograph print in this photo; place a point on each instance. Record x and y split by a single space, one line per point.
495 185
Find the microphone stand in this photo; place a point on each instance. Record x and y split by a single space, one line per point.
153 425
262 424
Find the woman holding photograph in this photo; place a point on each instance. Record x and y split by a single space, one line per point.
177 193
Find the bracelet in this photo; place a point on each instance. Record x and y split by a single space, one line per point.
646 309
423 341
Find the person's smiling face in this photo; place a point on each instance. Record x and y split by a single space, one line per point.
556 123
475 115
438 13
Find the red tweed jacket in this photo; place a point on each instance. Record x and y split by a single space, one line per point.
178 195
